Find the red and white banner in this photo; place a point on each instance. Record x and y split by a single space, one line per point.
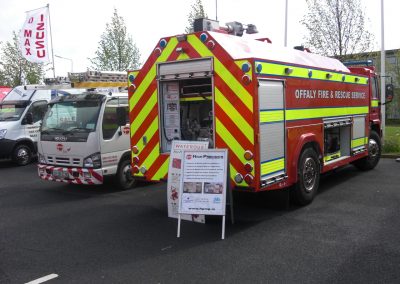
33 36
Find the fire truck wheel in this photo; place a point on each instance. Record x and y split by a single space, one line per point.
308 178
124 177
22 155
374 153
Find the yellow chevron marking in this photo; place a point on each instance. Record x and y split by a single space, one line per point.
144 112
162 171
149 133
233 113
143 86
183 56
230 141
224 73
152 157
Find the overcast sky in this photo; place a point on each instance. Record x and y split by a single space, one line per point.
78 25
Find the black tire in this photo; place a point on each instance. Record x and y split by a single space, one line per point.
22 155
374 153
124 178
308 175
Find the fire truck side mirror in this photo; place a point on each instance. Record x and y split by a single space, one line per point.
389 92
121 115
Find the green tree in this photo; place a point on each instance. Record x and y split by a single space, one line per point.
336 27
197 11
15 69
116 50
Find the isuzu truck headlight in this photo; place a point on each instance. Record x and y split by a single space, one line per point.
3 133
93 161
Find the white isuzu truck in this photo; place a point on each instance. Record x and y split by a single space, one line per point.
85 137
21 113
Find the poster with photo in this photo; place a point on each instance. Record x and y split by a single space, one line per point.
174 177
203 182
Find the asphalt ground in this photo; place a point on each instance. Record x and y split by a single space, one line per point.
349 234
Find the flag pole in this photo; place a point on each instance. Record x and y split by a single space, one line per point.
51 40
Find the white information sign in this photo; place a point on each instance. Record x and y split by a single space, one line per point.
174 177
203 182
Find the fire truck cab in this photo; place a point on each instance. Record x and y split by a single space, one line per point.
285 115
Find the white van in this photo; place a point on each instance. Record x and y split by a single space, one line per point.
21 113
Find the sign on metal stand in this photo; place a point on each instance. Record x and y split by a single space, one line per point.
174 177
204 184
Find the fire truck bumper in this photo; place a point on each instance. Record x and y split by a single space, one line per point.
70 175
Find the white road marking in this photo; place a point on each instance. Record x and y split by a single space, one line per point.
43 279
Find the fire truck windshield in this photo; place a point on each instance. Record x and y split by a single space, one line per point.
71 117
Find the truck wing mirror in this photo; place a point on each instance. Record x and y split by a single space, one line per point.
121 115
389 92
28 119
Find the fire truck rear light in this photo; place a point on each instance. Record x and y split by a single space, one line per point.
288 71
238 178
135 160
249 179
246 67
259 68
248 155
135 169
135 150
203 37
246 80
143 170
132 88
211 44
131 78
248 167
157 51
163 43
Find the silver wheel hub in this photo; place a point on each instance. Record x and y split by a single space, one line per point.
127 173
22 154
309 174
373 148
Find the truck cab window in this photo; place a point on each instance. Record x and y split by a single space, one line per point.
374 86
110 125
38 109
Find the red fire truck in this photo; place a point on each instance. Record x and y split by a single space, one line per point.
285 115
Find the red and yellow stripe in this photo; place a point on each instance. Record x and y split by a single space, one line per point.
233 107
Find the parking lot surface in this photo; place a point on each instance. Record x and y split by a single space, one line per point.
83 234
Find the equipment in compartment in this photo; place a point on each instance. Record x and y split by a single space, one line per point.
187 111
